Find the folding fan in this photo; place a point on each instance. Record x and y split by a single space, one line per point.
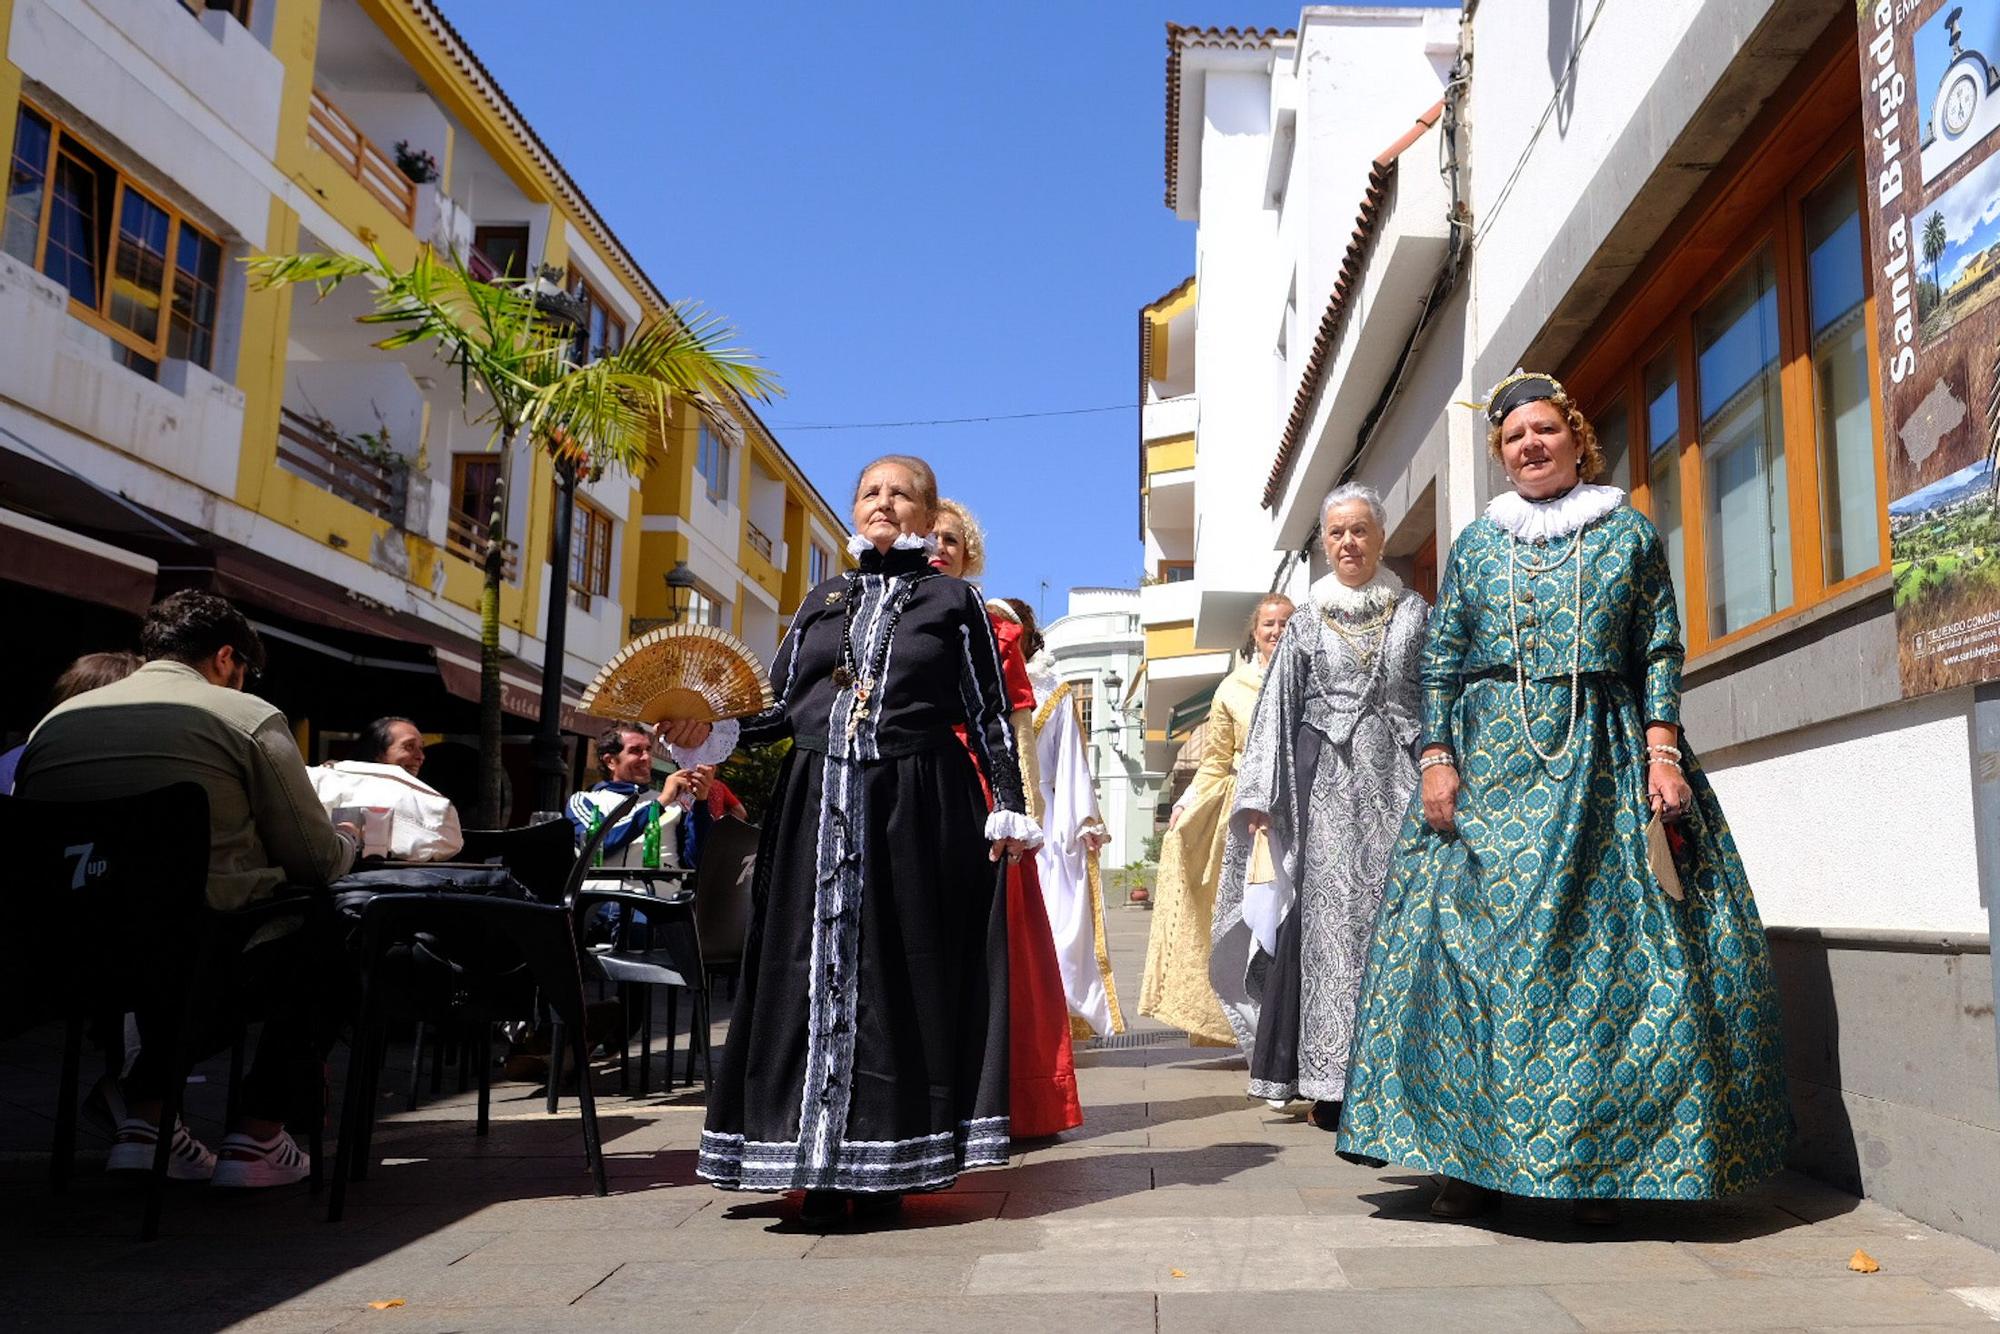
680 673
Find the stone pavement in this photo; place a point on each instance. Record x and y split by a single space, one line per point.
1179 1206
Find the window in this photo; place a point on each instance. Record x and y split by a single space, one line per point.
589 552
475 480
239 9
1176 571
504 250
1085 693
816 562
1731 387
603 328
703 609
712 458
134 269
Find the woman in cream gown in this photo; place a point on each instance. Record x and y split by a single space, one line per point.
1175 988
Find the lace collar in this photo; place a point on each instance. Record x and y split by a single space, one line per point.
859 546
1545 520
1335 598
1042 674
909 554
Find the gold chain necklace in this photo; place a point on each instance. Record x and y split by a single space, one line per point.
1366 639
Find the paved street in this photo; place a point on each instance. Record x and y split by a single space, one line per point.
1179 1206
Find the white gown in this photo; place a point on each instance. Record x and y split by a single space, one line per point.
1071 886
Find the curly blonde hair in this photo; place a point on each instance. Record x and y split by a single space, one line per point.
1589 455
970 532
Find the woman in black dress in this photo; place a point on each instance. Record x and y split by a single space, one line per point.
868 1052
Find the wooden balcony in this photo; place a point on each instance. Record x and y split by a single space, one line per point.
465 537
759 542
309 450
328 126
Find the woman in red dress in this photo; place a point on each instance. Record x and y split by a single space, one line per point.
1042 1069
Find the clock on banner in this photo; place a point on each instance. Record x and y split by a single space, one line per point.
1965 104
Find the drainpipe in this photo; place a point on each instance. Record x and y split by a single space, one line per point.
1986 819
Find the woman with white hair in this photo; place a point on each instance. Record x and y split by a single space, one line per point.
1327 773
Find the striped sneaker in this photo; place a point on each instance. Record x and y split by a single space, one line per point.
248 1163
188 1159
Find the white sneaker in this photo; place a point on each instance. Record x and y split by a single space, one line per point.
188 1159
248 1163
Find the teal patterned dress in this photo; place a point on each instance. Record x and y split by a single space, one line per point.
1538 1016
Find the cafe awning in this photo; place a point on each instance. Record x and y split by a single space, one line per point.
520 691
1190 712
48 556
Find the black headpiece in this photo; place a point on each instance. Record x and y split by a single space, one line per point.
1518 388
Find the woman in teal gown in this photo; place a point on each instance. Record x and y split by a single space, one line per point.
1539 1016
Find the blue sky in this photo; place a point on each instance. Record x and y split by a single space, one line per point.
911 211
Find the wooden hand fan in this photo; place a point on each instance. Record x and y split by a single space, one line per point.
680 673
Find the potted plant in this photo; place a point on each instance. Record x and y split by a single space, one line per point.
416 163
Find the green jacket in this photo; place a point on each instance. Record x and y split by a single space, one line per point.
166 724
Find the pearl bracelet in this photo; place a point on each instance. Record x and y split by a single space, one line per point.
1433 761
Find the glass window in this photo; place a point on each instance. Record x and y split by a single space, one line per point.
1085 692
504 250
712 457
1614 440
1745 510
1836 286
474 480
1663 464
74 254
197 275
26 178
139 266
815 565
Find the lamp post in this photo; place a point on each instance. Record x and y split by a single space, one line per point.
680 587
565 314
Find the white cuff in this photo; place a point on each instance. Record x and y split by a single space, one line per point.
721 744
1013 824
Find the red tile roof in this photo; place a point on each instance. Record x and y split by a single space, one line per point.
1381 173
1181 36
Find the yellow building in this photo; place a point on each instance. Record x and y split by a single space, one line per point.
164 425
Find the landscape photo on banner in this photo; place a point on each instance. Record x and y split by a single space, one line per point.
1930 72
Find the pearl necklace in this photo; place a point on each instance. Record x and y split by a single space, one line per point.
1574 550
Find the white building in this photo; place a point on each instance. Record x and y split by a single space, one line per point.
1271 139
1099 649
1662 205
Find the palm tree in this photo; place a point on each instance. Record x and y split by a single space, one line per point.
525 366
1935 243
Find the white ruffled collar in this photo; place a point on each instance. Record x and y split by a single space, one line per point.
1332 596
1042 674
924 542
1545 520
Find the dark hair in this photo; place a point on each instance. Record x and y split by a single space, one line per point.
91 671
376 738
612 739
190 627
1031 634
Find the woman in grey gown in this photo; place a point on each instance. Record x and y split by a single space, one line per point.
1327 775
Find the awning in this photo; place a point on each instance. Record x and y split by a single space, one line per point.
1188 757
520 691
1190 712
46 556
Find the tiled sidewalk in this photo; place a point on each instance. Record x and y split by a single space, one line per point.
1179 1206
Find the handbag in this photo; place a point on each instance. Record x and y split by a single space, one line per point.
1660 856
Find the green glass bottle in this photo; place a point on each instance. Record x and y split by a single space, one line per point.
593 822
649 851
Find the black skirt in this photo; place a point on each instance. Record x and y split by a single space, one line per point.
868 1050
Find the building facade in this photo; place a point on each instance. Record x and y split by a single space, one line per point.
1271 138
161 418
1664 206
1099 648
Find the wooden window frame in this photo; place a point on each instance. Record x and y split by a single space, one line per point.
511 230
1084 691
236 9
595 303
61 137
1792 150
587 524
1166 565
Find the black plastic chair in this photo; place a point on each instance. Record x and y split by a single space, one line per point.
133 871
540 856
488 936
722 895
663 950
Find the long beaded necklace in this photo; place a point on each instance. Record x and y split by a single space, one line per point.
852 674
1514 561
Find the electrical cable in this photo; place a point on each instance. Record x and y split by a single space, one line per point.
949 421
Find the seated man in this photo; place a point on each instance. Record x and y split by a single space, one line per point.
87 673
186 715
625 758
421 824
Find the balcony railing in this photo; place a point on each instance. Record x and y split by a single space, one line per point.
465 537
329 127
759 543
308 449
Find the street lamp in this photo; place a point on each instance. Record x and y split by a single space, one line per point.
680 588
566 315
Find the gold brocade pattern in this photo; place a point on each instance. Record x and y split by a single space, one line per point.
1175 988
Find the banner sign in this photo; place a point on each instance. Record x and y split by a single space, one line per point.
1930 97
